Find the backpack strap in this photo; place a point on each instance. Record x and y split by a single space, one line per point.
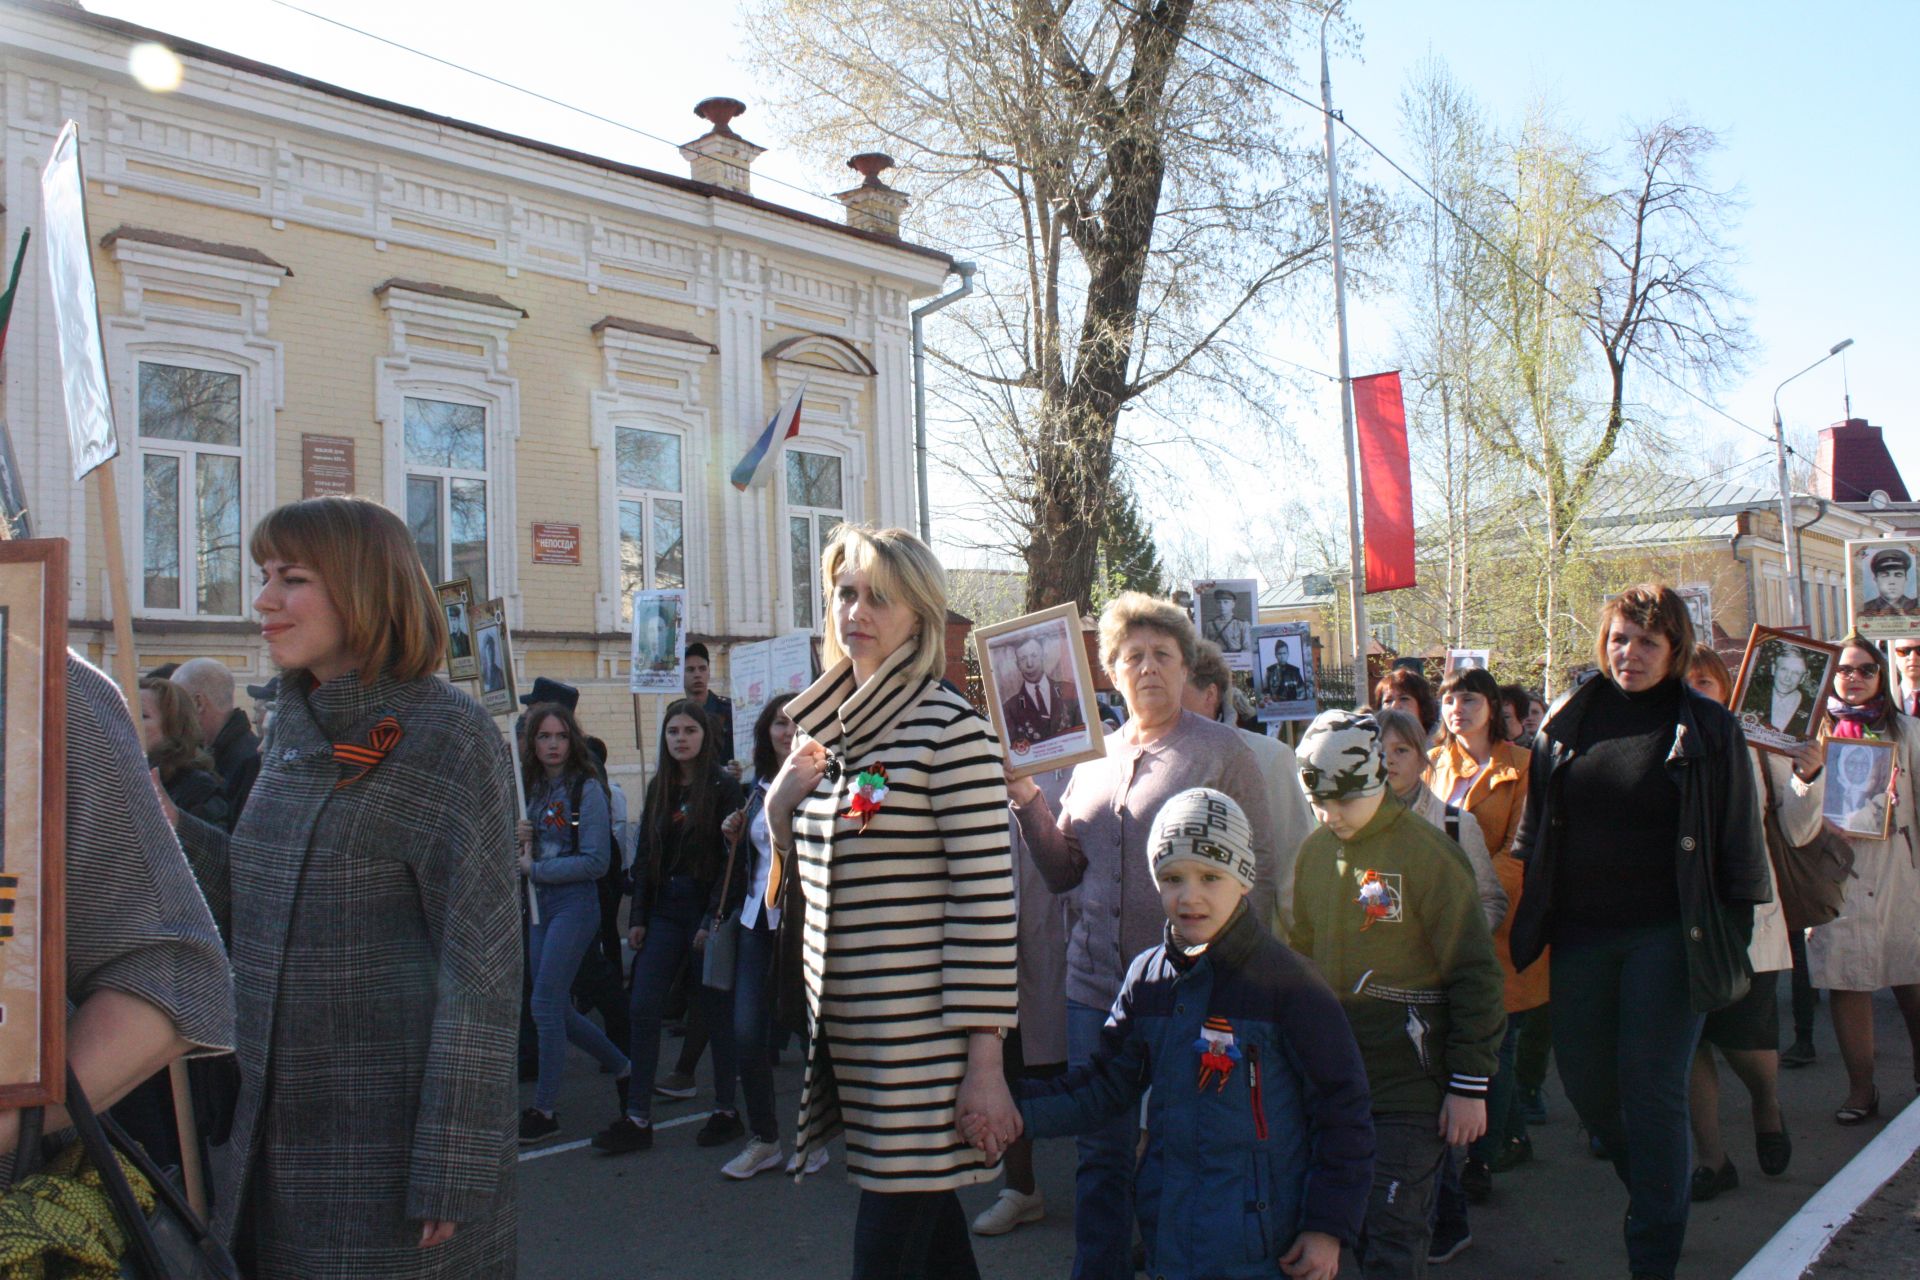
1453 823
574 789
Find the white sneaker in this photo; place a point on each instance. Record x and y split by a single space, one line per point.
755 1157
816 1161
1009 1211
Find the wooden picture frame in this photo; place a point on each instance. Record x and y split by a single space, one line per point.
1772 723
33 811
1858 803
1037 682
493 654
456 604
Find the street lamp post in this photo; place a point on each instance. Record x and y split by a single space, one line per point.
1789 535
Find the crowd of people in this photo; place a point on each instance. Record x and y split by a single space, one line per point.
1288 1000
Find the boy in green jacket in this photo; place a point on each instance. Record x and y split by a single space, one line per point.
1386 908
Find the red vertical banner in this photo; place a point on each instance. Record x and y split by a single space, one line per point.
1386 481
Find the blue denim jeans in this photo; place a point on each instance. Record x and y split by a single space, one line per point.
1624 1035
569 921
752 1024
1103 1186
678 909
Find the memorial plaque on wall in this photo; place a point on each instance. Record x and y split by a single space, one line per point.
326 466
556 543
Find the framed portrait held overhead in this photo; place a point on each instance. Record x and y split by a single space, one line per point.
1225 611
1038 688
493 652
33 807
1859 795
1883 587
1462 659
1782 688
1286 684
659 655
456 601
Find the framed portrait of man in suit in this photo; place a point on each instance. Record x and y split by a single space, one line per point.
1038 687
1784 681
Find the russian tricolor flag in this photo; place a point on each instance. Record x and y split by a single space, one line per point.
784 425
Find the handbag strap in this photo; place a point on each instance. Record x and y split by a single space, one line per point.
733 850
140 1240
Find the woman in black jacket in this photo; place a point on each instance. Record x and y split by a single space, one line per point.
1644 858
170 732
677 873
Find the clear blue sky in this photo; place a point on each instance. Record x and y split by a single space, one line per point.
1816 105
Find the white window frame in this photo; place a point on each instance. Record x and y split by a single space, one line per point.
791 511
653 382
454 350
444 571
831 417
186 455
647 497
182 306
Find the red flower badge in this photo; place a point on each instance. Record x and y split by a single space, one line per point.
869 793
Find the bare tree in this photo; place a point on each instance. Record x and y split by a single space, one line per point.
1137 203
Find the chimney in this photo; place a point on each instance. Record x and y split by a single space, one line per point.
1853 464
721 156
873 205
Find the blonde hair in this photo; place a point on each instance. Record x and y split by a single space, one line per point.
900 568
365 558
1131 609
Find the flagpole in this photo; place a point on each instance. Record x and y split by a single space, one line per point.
1355 552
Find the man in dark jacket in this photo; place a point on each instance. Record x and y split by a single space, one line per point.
697 681
228 735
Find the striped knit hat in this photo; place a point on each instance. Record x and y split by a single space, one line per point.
1203 825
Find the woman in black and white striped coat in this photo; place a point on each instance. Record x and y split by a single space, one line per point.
893 810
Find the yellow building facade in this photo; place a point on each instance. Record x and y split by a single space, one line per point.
547 362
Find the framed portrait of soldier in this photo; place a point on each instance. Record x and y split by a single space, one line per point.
493 654
456 601
1883 587
1285 682
1467 659
1038 688
1782 688
1225 611
1859 795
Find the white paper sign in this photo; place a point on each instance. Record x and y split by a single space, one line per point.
76 306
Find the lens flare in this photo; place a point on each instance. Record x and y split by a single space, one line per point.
155 67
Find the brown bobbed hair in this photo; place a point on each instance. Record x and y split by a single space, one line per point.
1478 680
1401 680
1707 659
1651 606
580 757
365 558
180 747
765 762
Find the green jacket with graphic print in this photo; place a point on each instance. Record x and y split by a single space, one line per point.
1417 976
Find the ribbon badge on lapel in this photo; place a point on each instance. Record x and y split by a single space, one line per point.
381 739
1217 1053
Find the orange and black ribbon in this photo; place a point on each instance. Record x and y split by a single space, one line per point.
381 739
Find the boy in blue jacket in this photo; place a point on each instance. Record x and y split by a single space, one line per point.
1260 1142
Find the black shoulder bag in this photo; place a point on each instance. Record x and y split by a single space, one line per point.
1810 879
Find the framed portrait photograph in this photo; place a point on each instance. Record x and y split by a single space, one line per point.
1286 685
456 601
493 656
1883 589
1039 690
1225 611
659 654
1782 688
33 806
1461 659
1859 795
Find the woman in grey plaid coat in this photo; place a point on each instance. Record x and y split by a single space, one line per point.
368 897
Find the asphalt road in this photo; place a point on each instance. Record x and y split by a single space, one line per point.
669 1214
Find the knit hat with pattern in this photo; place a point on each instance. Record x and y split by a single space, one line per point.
1340 756
1203 825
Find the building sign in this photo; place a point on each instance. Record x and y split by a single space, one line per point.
556 543
326 466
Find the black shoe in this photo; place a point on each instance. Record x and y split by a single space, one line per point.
1445 1248
721 1128
1476 1180
624 1135
623 1087
1708 1183
1533 1106
1775 1151
535 1125
1799 1053
1518 1151
1596 1148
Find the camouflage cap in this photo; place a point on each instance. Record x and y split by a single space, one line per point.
1340 756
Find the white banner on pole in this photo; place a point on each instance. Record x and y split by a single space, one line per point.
76 306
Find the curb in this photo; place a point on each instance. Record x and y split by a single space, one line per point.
1806 1235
